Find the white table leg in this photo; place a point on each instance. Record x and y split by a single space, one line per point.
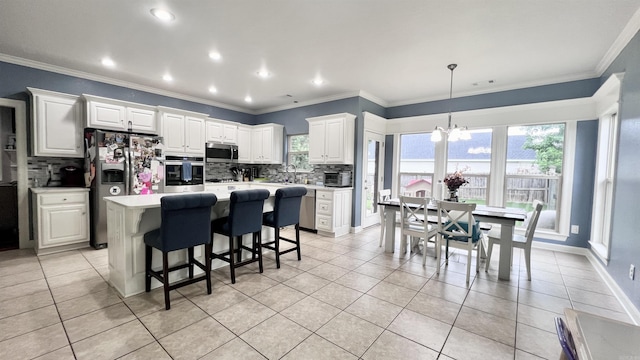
506 236
390 231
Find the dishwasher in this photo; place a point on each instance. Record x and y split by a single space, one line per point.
308 211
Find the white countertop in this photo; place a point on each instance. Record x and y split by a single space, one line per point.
53 190
257 184
153 200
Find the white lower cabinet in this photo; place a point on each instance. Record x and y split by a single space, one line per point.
333 212
61 220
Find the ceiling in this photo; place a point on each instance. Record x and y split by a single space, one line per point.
394 52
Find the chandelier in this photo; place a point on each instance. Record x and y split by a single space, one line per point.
453 133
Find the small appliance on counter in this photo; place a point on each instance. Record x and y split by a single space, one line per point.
71 176
337 178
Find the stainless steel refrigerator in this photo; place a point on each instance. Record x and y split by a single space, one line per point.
119 164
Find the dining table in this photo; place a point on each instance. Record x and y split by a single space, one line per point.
506 217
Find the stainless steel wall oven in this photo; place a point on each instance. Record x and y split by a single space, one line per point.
183 174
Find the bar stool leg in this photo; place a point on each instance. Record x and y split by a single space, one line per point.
147 267
232 267
207 266
165 277
239 248
276 245
258 237
190 256
298 241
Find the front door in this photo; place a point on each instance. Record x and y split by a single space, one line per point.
373 179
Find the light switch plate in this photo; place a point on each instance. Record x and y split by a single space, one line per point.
575 229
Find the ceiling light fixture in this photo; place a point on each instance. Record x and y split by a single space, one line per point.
215 56
455 133
212 89
248 99
317 81
162 14
167 78
264 73
108 62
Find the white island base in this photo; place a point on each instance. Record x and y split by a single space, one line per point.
130 217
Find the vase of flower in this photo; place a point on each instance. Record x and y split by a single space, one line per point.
453 182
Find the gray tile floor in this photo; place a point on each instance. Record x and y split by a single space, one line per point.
346 299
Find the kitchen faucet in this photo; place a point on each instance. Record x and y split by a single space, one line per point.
295 172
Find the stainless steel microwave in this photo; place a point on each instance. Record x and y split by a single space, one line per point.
221 153
337 178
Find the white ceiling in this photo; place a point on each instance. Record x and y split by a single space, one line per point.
391 51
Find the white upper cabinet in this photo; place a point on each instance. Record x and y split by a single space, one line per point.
267 144
244 144
57 124
331 139
221 132
183 132
109 114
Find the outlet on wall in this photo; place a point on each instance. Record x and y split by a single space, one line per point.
575 229
632 271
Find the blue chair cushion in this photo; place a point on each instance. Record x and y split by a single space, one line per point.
475 231
245 213
185 222
287 207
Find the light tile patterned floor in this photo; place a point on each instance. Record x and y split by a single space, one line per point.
346 299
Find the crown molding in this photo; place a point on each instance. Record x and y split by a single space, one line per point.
111 81
484 91
373 98
629 31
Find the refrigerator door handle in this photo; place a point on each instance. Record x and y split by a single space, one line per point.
127 172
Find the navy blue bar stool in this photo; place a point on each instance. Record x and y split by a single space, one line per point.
185 223
286 212
245 217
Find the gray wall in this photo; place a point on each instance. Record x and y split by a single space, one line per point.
553 92
625 234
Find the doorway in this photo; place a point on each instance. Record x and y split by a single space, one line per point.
16 178
373 179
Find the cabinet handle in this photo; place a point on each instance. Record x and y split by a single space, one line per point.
65 199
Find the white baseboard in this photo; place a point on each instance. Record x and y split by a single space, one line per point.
356 229
624 300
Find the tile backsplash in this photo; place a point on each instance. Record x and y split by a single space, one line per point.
37 169
274 173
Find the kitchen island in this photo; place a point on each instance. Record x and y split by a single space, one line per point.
130 217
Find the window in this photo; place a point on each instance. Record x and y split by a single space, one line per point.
298 154
473 158
417 165
534 170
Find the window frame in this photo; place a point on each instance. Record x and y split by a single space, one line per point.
291 153
566 111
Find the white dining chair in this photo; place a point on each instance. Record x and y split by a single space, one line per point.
519 241
457 228
414 223
383 195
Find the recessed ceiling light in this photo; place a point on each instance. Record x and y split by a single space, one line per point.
108 62
215 56
212 89
167 78
248 99
317 81
264 73
162 14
